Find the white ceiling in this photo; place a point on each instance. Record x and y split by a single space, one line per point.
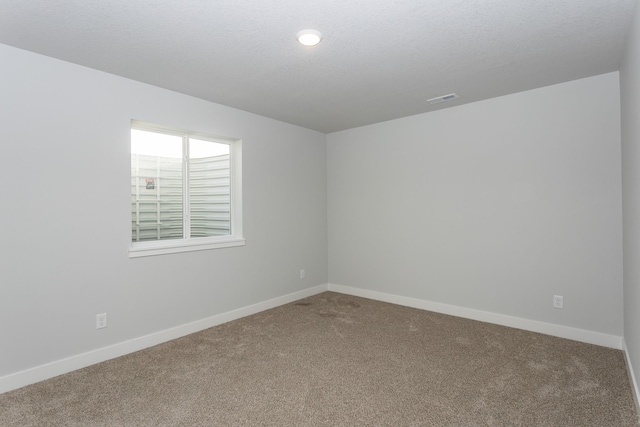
379 59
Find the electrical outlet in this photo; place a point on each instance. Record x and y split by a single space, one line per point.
558 301
302 274
101 321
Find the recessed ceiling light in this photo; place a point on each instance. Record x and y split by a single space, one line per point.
309 37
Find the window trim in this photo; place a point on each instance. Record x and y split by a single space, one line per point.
235 238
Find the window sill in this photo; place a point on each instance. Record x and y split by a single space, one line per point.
143 249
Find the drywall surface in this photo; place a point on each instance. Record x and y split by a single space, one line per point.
66 213
496 206
630 101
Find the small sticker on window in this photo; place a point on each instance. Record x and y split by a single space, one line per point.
151 183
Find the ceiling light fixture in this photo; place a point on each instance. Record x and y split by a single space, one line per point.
309 37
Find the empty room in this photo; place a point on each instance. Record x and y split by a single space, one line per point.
320 213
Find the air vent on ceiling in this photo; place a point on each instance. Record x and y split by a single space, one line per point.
443 98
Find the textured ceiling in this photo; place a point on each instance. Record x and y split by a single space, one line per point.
379 59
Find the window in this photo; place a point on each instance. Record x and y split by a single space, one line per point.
185 191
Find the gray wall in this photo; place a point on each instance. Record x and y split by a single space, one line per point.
494 206
65 217
630 100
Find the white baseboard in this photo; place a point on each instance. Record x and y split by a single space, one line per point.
632 377
59 367
575 334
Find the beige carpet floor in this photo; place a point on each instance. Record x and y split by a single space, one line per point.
338 360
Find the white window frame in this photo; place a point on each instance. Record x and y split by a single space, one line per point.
188 244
